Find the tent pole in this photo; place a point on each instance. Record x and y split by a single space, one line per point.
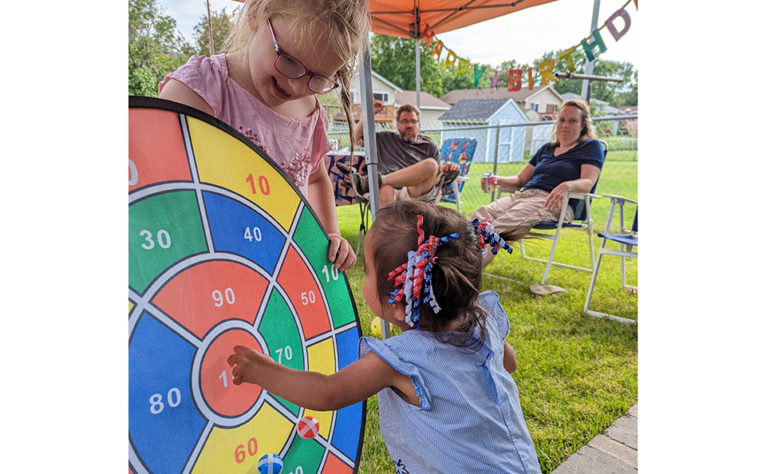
417 56
585 92
370 144
371 147
417 71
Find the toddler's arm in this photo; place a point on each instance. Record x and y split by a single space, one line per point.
322 200
312 390
509 358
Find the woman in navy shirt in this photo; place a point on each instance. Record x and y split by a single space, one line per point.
570 163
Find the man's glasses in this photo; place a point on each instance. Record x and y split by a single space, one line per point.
290 67
408 122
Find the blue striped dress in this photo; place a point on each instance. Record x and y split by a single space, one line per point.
469 419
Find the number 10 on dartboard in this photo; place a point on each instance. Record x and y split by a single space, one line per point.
262 185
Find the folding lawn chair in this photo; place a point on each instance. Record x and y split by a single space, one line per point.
460 151
581 220
627 240
456 150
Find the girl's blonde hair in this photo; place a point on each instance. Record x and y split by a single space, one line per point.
587 123
345 24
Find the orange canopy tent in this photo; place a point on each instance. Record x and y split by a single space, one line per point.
412 18
423 18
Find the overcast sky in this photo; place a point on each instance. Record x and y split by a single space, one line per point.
523 35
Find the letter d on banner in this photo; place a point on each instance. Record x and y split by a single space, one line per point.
612 29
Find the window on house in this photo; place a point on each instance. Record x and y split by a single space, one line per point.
381 96
534 107
551 108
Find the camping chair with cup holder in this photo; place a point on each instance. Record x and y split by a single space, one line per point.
581 220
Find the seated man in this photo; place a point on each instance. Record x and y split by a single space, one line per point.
408 163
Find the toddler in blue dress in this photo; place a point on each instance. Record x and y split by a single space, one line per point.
447 401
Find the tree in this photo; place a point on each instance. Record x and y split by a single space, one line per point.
394 59
221 23
623 93
155 48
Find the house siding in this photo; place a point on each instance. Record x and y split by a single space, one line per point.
511 146
377 86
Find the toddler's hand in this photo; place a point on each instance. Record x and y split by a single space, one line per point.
244 363
340 252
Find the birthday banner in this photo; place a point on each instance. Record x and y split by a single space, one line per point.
515 76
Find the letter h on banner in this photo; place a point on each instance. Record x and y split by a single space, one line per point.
589 47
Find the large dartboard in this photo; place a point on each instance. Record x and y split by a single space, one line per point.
223 251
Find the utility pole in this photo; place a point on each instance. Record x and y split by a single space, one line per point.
585 93
210 30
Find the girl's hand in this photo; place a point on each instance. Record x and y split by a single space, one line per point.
245 363
555 200
377 106
340 252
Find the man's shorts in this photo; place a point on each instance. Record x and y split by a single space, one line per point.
402 194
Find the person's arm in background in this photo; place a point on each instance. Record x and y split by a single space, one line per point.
377 107
515 182
588 176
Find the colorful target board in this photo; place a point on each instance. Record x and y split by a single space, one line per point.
224 250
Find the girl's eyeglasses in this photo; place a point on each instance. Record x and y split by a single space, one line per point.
290 67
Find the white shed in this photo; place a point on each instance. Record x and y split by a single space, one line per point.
488 112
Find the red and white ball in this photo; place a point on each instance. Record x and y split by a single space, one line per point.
308 427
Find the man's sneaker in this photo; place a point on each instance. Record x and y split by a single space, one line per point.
344 168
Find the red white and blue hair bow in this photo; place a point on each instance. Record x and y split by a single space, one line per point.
485 235
412 279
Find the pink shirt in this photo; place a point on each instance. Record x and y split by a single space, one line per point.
297 145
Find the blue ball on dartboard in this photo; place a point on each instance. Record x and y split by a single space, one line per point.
270 464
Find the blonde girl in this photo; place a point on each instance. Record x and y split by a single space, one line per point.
280 54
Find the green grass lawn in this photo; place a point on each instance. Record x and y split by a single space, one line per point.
576 374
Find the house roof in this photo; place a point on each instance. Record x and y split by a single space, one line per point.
453 97
474 109
383 80
571 96
628 109
427 101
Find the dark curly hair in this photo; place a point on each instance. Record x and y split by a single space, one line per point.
456 275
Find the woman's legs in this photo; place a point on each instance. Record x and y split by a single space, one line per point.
514 216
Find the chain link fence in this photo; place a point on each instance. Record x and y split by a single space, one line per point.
505 149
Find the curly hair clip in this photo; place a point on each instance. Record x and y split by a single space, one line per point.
412 279
486 235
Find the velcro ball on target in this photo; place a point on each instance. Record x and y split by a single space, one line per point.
270 464
308 427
